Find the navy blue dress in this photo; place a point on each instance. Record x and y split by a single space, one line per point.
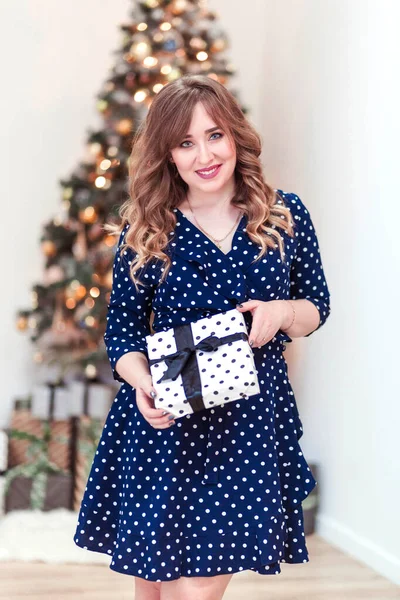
221 490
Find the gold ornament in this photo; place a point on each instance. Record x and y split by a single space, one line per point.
88 215
49 248
124 126
179 6
67 193
218 45
22 323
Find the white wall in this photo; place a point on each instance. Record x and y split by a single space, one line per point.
319 80
331 128
55 56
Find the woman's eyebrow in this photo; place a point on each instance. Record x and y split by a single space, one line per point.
206 131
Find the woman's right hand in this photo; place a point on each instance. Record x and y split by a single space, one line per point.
157 417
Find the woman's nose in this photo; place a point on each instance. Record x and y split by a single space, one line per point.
204 156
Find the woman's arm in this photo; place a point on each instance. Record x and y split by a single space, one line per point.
306 317
133 367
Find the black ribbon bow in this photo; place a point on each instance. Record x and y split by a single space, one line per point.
177 361
184 361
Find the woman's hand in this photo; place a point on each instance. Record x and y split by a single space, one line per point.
268 317
157 417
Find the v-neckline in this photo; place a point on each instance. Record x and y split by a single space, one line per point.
208 239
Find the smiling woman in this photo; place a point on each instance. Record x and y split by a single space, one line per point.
183 503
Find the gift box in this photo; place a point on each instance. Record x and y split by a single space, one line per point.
202 364
3 451
51 491
32 484
90 398
51 401
59 447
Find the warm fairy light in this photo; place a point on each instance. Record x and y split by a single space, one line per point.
140 49
105 164
70 303
165 26
95 292
174 74
90 371
89 302
112 151
140 96
80 292
157 87
202 56
32 323
198 43
34 300
102 105
158 37
95 148
166 69
74 284
142 27
90 321
100 182
67 193
150 61
89 214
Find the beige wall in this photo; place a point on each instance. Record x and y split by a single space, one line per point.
319 80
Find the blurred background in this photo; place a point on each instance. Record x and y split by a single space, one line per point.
319 80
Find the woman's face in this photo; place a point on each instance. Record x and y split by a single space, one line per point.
203 150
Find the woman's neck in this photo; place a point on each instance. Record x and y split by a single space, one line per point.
210 203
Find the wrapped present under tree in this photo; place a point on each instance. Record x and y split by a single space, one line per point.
59 451
27 485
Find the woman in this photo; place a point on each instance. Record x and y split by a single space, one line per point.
182 504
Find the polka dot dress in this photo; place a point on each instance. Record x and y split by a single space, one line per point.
221 490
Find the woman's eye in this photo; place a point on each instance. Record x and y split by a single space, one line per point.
189 142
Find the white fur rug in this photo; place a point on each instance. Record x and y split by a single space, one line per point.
27 535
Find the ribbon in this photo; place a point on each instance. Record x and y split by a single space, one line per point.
183 361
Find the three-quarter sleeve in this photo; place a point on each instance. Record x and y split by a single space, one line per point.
307 277
129 310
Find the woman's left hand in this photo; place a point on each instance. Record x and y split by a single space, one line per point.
267 319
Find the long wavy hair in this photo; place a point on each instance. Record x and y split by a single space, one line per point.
156 188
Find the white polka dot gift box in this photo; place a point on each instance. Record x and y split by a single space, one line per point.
202 364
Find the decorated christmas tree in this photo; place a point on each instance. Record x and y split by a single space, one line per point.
164 40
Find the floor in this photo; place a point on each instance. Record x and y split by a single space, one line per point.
330 575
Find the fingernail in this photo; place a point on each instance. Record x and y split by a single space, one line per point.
240 305
171 417
172 423
251 342
164 413
153 395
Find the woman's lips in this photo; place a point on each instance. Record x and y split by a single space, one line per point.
214 172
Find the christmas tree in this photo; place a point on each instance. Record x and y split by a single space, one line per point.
164 40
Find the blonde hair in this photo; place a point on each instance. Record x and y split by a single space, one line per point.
155 187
